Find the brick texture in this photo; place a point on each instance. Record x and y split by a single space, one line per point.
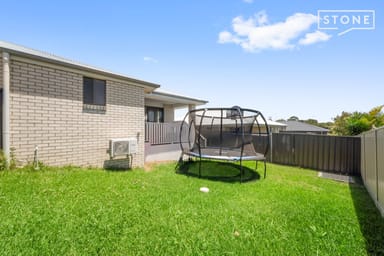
47 111
1 69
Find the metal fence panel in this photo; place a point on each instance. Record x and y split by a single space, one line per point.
380 168
370 163
260 143
331 156
327 153
282 148
324 153
299 150
362 163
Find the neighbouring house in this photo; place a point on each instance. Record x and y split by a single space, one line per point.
275 127
65 112
301 127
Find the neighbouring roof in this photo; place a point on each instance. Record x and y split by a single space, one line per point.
176 100
274 123
22 51
297 126
228 121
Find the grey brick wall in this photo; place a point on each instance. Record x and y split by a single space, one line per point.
47 111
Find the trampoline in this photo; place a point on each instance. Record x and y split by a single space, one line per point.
229 134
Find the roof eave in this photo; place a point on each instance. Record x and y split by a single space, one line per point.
52 59
177 100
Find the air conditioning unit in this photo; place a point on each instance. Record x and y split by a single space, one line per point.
120 147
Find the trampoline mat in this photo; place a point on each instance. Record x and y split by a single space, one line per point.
232 154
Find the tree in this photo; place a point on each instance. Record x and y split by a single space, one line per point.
293 118
326 125
358 122
311 121
340 125
376 116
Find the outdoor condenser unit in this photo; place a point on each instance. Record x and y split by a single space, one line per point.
120 147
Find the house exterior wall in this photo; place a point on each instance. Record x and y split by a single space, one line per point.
153 103
47 111
169 113
1 69
169 110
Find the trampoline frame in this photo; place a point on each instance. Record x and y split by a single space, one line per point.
236 113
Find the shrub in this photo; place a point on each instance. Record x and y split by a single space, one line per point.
4 164
3 161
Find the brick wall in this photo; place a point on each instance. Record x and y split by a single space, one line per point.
47 111
1 69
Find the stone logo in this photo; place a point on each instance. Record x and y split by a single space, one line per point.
345 21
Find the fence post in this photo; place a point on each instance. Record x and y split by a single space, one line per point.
362 158
377 168
271 143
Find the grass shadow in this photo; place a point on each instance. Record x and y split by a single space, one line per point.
118 165
370 220
217 171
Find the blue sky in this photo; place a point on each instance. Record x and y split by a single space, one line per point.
263 54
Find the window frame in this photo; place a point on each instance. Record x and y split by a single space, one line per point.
92 90
158 114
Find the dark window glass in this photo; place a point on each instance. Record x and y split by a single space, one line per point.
88 90
160 115
94 91
154 114
99 92
151 116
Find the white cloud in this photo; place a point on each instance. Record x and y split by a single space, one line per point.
248 1
227 37
256 33
315 37
150 59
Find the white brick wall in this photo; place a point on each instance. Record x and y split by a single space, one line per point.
47 110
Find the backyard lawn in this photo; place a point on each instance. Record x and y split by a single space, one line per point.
73 211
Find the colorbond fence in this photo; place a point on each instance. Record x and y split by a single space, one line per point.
337 154
372 165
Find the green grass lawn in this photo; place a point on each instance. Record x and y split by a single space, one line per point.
73 211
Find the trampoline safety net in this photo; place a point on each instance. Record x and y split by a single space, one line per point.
232 134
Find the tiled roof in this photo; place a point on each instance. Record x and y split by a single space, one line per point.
297 126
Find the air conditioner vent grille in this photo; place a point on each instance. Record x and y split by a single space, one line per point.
126 146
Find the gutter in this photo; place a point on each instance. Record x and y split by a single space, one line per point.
6 109
158 95
21 51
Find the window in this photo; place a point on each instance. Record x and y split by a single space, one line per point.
94 91
153 114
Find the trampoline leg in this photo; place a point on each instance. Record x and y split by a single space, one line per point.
265 168
256 165
200 168
241 172
179 163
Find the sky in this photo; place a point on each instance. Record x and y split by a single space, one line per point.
277 57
